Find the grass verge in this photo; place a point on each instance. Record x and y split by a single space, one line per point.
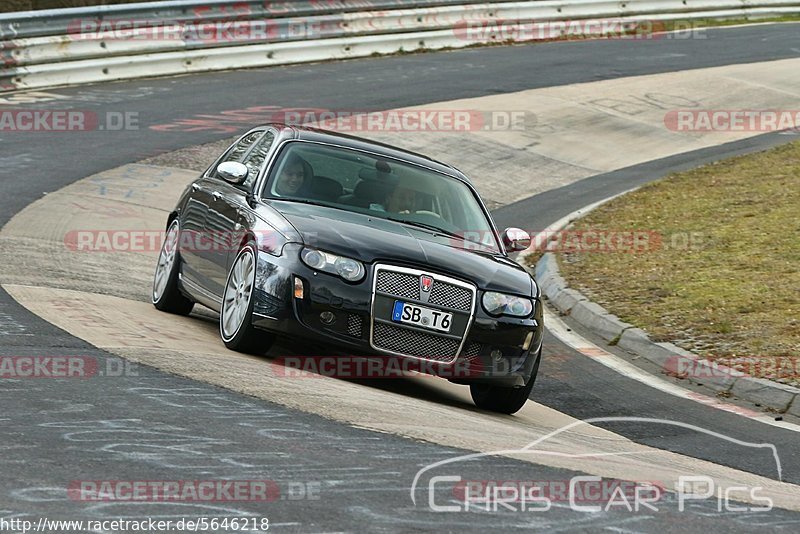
722 276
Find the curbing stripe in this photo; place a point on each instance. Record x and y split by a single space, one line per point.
608 326
794 408
621 366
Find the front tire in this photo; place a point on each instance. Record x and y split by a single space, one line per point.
235 317
166 295
507 400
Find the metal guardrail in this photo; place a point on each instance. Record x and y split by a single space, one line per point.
51 22
82 45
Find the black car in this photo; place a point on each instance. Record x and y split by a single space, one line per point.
381 252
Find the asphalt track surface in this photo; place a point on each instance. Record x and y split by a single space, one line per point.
157 426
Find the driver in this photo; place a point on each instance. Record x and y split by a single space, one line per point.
295 176
402 200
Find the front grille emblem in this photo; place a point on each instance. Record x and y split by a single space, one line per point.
425 283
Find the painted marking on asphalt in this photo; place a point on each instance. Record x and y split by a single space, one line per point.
46 99
589 349
11 327
17 161
216 404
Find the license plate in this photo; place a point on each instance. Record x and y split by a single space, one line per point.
405 312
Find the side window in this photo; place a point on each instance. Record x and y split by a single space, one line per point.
241 148
254 159
251 150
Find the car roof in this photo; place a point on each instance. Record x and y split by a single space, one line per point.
307 133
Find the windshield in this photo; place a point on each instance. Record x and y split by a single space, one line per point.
356 181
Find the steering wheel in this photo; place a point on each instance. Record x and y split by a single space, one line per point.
426 212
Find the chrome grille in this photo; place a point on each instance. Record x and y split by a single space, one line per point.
399 284
444 294
403 282
354 325
414 343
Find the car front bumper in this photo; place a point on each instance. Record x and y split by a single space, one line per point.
502 351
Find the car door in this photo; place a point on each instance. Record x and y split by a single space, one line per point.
195 243
229 213
192 223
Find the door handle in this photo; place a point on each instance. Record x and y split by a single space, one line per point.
216 196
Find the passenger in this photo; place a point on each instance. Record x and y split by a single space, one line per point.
295 177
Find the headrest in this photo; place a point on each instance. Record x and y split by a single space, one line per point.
371 191
378 175
322 186
308 170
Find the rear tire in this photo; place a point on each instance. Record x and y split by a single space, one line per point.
236 315
507 400
166 296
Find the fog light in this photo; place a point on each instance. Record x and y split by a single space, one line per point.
299 290
497 354
327 317
528 339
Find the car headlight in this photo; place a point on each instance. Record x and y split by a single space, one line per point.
502 304
349 269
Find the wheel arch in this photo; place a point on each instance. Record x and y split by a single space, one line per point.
172 216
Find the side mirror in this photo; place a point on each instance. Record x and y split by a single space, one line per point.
233 172
515 239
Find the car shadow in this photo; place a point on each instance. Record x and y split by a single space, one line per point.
286 352
420 386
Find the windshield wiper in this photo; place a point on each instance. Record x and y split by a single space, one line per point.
426 226
299 201
443 232
309 202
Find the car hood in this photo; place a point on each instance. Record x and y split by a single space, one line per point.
372 239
